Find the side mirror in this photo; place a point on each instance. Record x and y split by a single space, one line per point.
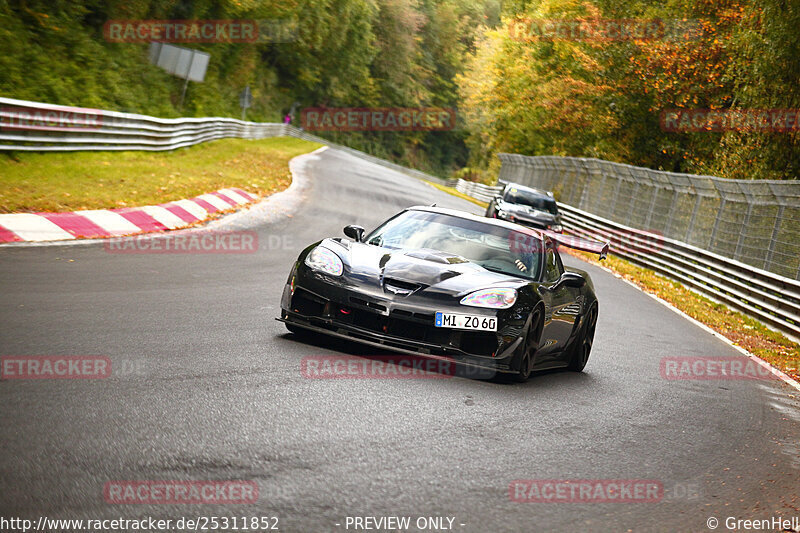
354 232
572 279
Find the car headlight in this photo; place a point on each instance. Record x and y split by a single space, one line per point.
324 260
501 214
557 228
502 298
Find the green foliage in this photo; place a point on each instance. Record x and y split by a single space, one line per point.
347 53
470 174
603 99
536 96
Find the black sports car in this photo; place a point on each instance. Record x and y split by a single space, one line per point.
526 206
441 282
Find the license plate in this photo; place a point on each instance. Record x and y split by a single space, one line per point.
456 321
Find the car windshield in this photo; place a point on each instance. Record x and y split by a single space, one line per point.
531 199
493 247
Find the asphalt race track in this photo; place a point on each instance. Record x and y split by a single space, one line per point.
210 388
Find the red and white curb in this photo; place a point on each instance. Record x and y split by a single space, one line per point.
40 227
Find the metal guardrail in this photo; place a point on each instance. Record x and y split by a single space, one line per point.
40 127
34 126
756 222
766 296
477 190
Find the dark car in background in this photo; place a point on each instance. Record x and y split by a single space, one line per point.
440 282
526 206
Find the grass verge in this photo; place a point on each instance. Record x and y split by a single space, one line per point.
744 331
71 181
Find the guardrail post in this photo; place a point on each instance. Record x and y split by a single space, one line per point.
614 198
743 233
671 215
578 195
597 206
716 223
650 210
750 199
690 229
773 238
633 199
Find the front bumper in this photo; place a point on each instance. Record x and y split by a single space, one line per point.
397 329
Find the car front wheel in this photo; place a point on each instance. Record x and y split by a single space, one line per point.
528 348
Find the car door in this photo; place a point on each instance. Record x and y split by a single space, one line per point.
559 302
571 305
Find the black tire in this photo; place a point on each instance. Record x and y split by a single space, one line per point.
583 344
528 348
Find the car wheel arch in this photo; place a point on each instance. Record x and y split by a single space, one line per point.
577 351
540 309
529 328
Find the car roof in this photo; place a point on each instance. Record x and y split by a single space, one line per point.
479 218
545 194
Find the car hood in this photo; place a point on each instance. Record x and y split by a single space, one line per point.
414 272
